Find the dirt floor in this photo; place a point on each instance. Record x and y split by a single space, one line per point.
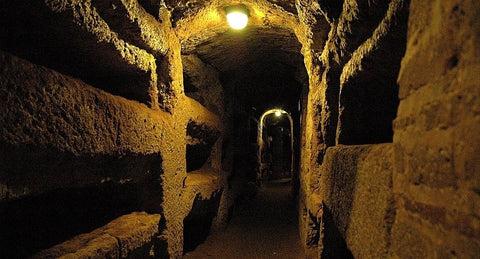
263 227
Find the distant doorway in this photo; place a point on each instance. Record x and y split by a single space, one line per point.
275 146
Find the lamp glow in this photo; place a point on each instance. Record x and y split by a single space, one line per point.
278 113
237 20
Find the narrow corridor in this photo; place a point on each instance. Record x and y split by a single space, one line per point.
263 227
132 129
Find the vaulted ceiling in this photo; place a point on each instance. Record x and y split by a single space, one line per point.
263 62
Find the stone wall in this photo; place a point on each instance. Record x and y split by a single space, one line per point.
353 91
409 77
95 122
49 117
95 125
436 140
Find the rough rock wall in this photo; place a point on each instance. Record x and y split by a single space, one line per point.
59 134
352 97
204 83
310 18
436 140
368 97
432 204
121 134
49 117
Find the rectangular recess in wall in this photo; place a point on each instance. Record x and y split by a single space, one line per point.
88 50
200 141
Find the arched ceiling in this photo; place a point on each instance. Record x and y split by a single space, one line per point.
270 34
182 8
231 49
263 60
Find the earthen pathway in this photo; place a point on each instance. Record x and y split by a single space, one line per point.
264 227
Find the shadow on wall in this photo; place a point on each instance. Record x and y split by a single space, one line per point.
36 223
199 146
197 224
334 245
71 195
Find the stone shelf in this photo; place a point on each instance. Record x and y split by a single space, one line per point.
202 182
72 38
128 235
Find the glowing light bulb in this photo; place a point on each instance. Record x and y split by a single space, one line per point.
278 113
237 20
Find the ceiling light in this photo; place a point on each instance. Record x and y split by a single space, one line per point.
278 113
237 19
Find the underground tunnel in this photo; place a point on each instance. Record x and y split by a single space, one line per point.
313 129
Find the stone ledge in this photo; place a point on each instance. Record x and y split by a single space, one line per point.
118 238
201 115
204 181
356 186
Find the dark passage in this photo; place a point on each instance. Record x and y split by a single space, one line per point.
141 129
262 227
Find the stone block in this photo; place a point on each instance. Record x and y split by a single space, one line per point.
356 185
117 239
